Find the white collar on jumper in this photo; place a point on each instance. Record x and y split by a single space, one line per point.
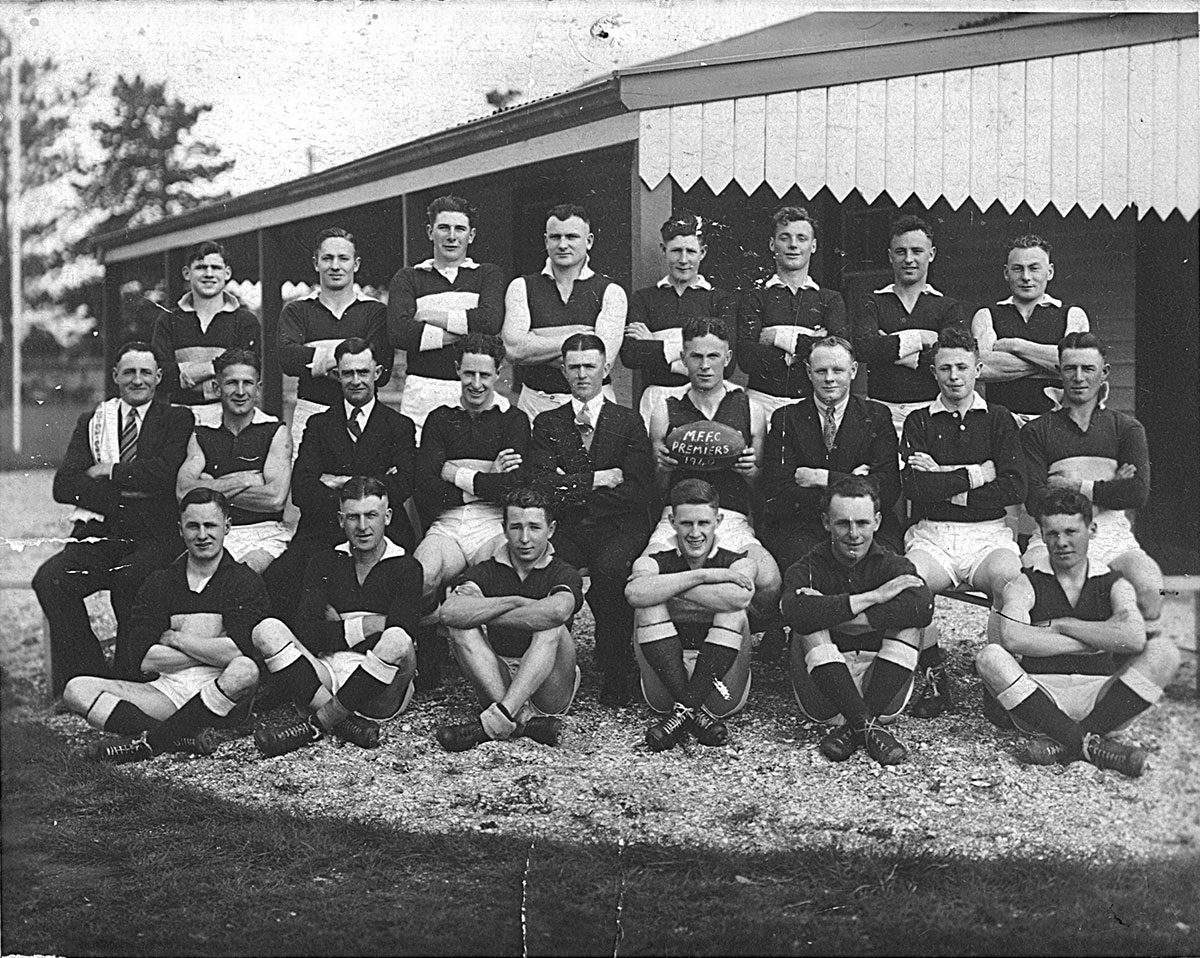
1095 567
498 402
776 280
1046 300
502 555
891 288
977 402
586 273
359 295
229 302
431 264
698 283
390 549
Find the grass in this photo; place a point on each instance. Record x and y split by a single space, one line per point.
98 861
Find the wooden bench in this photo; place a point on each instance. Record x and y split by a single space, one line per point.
1185 585
21 585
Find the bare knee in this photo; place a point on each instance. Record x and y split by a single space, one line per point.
396 647
1160 659
239 678
995 665
80 693
270 636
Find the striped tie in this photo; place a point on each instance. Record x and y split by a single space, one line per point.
354 427
129 437
829 434
586 430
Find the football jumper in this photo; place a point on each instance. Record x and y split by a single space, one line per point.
247 451
308 320
178 338
547 310
734 411
693 634
1050 602
1047 324
661 308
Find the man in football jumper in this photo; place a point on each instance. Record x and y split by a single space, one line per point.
692 630
510 627
963 467
1019 336
311 328
856 613
654 334
208 321
567 297
897 326
434 304
781 319
248 458
196 621
1072 662
351 661
595 456
1101 453
119 473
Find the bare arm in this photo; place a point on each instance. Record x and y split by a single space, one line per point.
277 477
192 475
525 345
719 590
162 658
468 608
217 650
541 614
1019 636
1123 632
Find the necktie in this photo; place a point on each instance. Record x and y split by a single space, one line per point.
829 433
354 427
129 437
586 430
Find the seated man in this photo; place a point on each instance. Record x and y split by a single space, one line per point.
351 661
1072 662
693 633
596 457
962 468
196 621
119 473
247 457
510 627
1101 453
856 613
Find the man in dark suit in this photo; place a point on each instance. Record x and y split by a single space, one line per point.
119 473
814 443
596 456
357 437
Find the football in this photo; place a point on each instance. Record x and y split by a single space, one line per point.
705 446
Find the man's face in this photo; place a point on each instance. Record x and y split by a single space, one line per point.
365 521
910 254
585 373
851 523
567 241
207 277
1084 373
528 532
793 245
684 255
1067 539
137 376
357 373
203 527
695 526
477 374
955 371
239 389
706 358
336 263
831 370
451 234
1027 272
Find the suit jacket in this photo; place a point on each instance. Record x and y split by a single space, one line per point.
138 502
619 442
386 450
866 436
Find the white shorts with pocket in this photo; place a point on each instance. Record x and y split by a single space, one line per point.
271 537
304 411
534 402
960 548
768 403
423 394
470 527
1114 536
184 684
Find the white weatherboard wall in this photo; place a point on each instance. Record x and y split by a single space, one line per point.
1104 128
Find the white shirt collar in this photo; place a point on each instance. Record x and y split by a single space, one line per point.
891 288
839 409
504 557
586 273
1046 300
139 411
777 280
977 402
229 302
430 265
359 295
1095 567
711 552
366 410
698 283
390 549
593 407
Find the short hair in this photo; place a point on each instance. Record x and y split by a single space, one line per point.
352 347
528 497
201 250
135 346
1084 340
1062 502
955 337
202 495
683 223
580 342
236 356
833 342
450 204
564 211
695 492
1030 241
792 214
335 232
908 223
698 326
852 487
361 487
480 344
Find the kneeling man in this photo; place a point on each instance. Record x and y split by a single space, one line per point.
198 620
856 612
353 662
692 628
1072 663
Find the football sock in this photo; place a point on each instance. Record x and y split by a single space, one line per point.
832 677
892 670
203 710
930 658
123 718
1130 695
665 657
713 662
1038 710
365 683
295 674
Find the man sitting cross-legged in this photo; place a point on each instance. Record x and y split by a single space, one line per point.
856 612
353 660
197 620
1072 662
692 637
510 628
